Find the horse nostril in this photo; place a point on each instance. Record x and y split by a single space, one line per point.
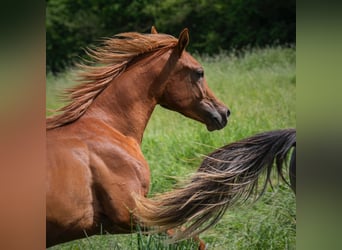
228 112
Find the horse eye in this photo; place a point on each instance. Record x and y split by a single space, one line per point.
200 73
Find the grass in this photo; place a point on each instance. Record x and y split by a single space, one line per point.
259 87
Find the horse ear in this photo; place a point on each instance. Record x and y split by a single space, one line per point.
183 41
154 30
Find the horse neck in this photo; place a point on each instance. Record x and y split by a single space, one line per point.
129 100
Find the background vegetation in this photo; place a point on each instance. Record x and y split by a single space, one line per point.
259 87
214 25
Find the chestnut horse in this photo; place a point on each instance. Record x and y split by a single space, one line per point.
95 166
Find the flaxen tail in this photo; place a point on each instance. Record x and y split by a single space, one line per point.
226 176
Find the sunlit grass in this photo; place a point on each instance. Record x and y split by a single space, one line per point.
259 87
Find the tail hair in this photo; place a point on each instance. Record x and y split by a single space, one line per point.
227 176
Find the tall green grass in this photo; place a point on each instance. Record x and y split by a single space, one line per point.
259 88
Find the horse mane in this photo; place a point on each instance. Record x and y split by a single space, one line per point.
107 62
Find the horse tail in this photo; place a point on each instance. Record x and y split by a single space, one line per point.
227 176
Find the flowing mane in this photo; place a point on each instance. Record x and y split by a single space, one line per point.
108 62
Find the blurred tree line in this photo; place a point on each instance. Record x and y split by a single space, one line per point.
71 25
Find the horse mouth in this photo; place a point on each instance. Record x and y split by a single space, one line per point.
217 120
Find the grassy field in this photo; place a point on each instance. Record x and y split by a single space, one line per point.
260 89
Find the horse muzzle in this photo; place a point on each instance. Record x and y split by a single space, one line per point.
217 118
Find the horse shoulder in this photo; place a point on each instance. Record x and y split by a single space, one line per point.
117 159
118 169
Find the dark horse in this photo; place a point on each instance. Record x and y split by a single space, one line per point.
226 176
95 167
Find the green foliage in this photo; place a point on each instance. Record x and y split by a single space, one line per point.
73 25
259 87
214 25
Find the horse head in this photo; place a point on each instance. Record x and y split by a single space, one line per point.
187 92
